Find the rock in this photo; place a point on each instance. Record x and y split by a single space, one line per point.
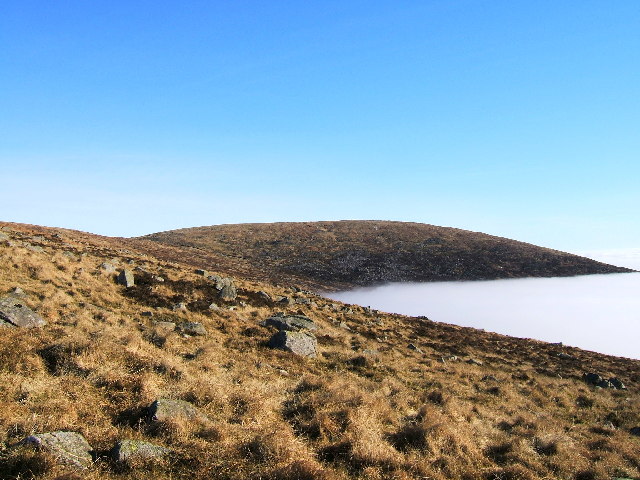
107 267
14 313
473 361
264 296
300 343
69 448
204 273
165 326
565 356
302 300
166 410
290 322
215 279
592 378
214 307
157 278
411 346
4 237
180 306
126 278
17 292
138 451
192 328
605 384
147 314
617 383
228 293
344 326
635 431
70 255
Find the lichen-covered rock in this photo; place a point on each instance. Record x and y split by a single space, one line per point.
126 278
192 328
133 452
300 343
167 410
228 291
290 322
13 312
69 448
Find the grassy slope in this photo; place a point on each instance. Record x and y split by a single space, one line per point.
328 255
367 407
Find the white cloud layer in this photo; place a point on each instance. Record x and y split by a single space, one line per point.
593 312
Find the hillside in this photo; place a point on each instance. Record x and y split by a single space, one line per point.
344 254
186 362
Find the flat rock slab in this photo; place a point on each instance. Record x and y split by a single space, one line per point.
300 343
138 451
15 313
167 409
69 448
291 322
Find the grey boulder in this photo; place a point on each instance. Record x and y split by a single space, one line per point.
300 343
13 312
290 322
126 278
69 448
167 409
192 328
138 451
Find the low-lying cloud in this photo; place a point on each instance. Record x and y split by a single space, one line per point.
593 312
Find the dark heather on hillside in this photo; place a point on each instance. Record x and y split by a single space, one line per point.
344 254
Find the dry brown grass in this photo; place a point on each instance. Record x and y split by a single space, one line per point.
367 407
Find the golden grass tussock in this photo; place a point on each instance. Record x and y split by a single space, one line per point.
367 407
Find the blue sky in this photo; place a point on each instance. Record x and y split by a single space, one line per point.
514 118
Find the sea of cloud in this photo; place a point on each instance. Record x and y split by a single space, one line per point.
593 312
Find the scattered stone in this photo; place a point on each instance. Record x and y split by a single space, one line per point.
69 448
215 279
565 356
157 278
300 343
14 313
473 361
283 300
166 410
204 273
290 322
108 267
302 300
264 296
228 293
126 278
344 326
17 292
165 326
180 306
138 451
411 346
635 431
449 358
592 378
192 328
214 308
617 383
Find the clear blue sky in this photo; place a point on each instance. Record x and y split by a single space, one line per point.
516 118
